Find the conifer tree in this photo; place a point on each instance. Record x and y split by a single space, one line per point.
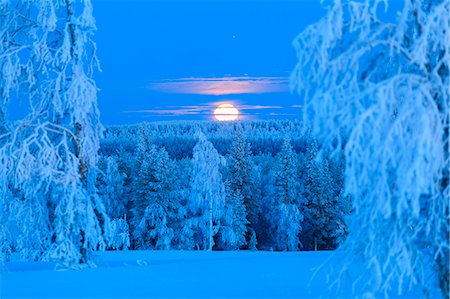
126 166
319 194
184 224
120 234
341 203
287 216
286 178
154 204
207 191
234 223
264 169
111 187
241 178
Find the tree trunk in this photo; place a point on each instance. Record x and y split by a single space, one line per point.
78 127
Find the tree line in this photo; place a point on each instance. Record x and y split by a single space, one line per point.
283 200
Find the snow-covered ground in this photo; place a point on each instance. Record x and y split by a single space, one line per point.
178 274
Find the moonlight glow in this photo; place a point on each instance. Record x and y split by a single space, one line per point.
226 112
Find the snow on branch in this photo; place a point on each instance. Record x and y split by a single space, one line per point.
381 90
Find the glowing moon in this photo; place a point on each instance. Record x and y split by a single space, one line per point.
226 112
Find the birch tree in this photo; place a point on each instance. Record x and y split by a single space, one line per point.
385 87
47 59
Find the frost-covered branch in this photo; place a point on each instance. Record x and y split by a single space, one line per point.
49 157
382 91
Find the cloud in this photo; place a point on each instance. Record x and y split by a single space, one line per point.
221 86
258 107
174 110
203 109
167 112
281 114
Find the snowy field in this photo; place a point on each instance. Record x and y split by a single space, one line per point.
178 274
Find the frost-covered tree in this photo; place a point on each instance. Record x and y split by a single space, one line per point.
234 222
341 203
29 225
141 173
154 231
287 217
126 166
111 187
144 145
286 178
120 234
241 177
48 158
385 87
207 191
184 224
318 192
154 205
264 182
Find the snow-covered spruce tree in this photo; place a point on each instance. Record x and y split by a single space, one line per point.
48 158
287 217
137 188
120 234
286 180
241 178
184 225
317 189
126 165
340 202
264 181
207 191
144 145
154 207
110 184
323 210
386 87
234 221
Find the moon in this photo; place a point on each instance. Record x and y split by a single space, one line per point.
226 112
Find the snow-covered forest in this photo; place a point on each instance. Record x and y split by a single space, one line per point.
201 185
365 174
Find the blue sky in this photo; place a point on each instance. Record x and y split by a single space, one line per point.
174 60
169 60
